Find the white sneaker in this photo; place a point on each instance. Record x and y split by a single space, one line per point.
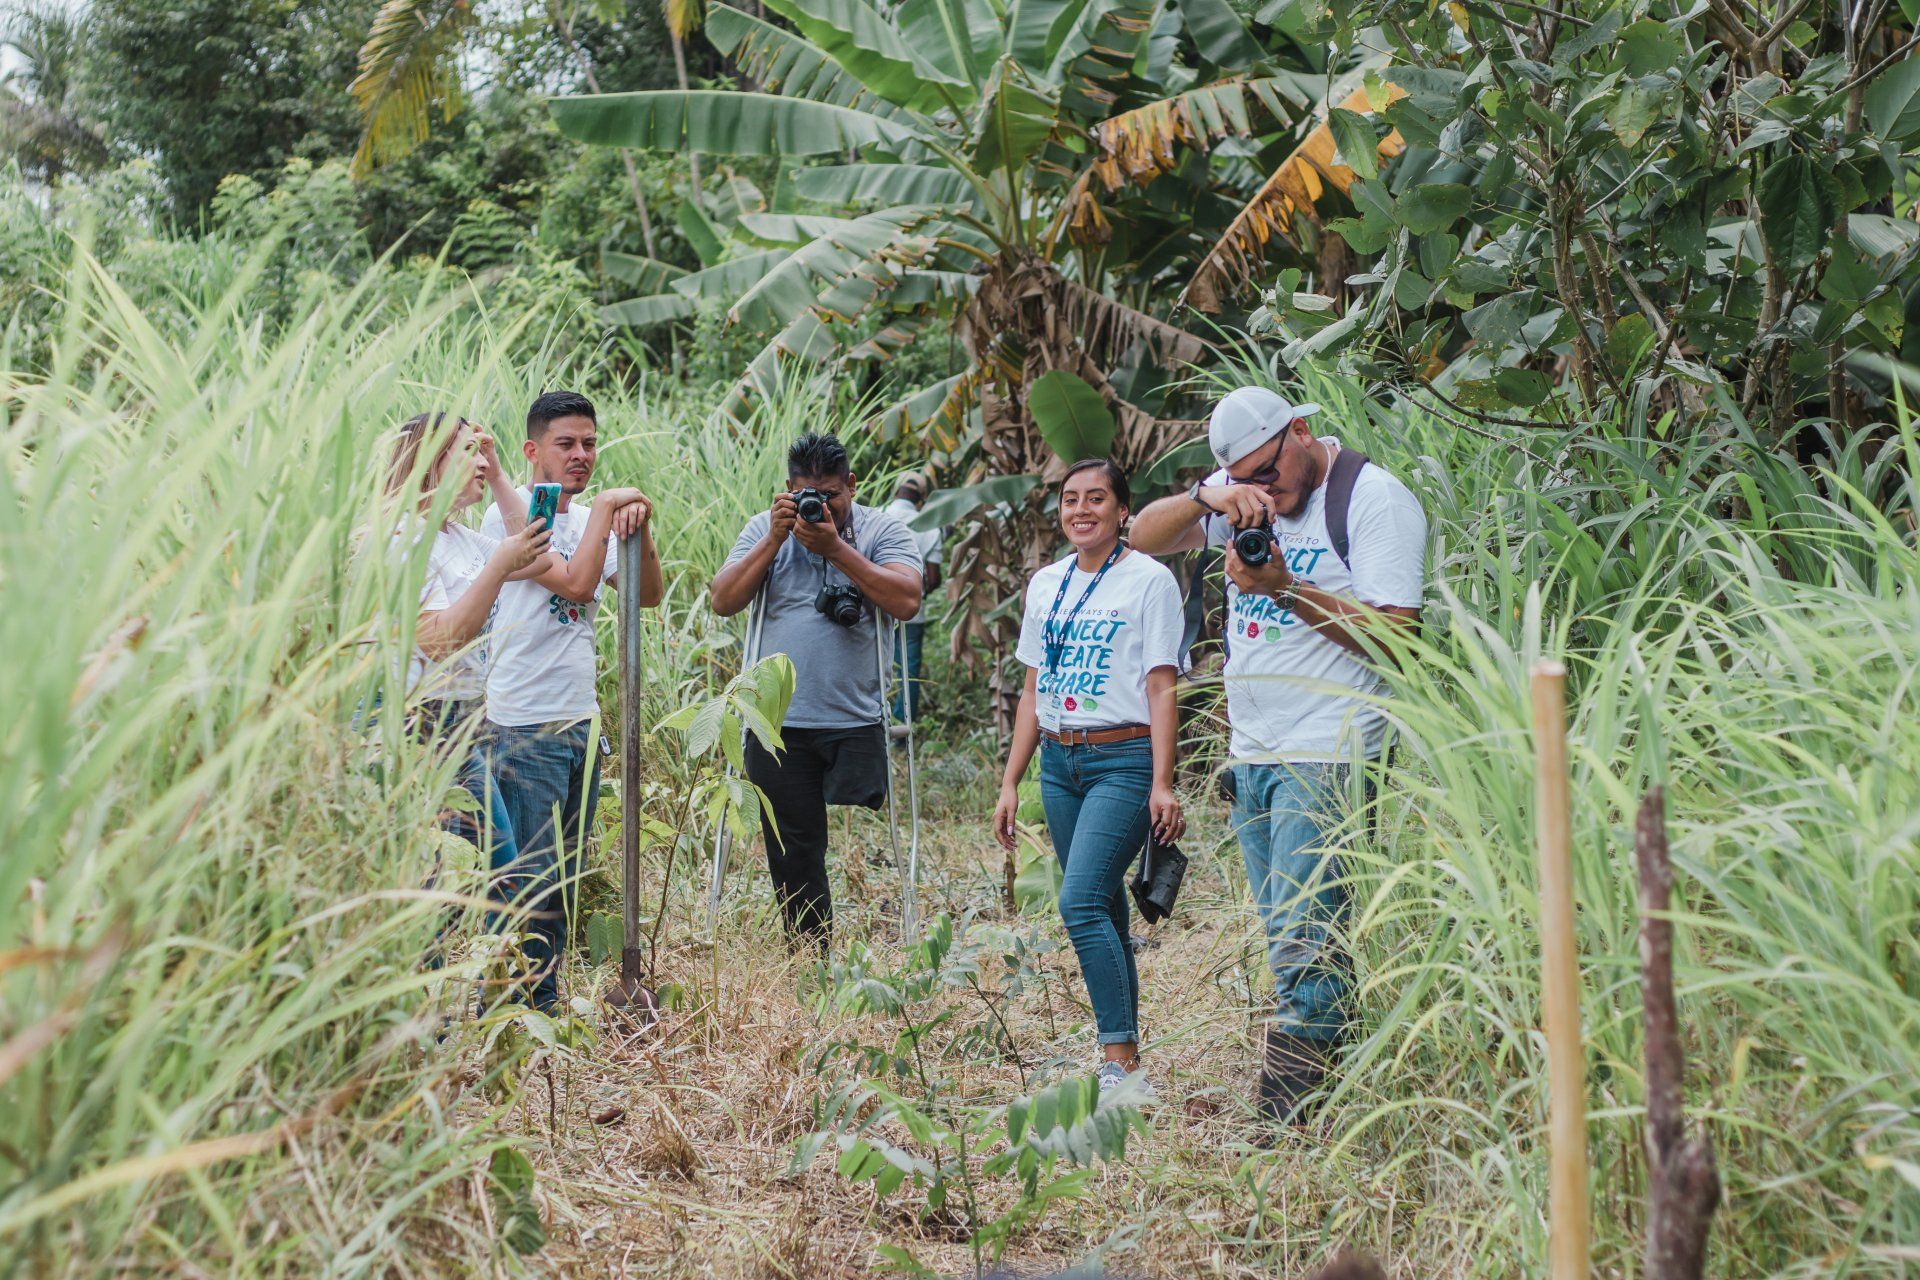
1112 1076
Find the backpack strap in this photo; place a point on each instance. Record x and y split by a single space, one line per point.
1340 479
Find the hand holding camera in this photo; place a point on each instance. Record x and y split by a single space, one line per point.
782 515
1261 573
814 524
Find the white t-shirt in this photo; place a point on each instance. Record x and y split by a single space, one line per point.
543 644
455 560
1279 671
928 542
1131 624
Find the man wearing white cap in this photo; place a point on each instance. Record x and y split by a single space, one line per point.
1345 545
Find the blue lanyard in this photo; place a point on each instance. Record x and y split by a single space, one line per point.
1055 637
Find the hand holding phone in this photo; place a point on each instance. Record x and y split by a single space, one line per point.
545 503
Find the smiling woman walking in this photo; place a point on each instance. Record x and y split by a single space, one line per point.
1101 643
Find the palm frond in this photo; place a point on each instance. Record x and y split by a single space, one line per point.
1290 192
1138 146
407 69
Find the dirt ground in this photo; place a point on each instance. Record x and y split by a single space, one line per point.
687 1172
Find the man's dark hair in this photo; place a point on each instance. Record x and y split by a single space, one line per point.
557 404
816 454
1116 478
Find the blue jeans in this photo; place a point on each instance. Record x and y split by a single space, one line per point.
1281 814
490 827
906 665
549 795
1096 803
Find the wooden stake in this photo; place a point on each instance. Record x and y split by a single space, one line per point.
1560 980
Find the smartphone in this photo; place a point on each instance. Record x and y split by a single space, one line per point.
544 504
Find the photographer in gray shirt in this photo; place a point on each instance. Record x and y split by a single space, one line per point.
827 564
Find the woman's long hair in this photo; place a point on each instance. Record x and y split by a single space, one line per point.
429 433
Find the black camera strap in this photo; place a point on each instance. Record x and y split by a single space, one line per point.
1055 636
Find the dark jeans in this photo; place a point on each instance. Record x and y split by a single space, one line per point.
490 828
906 665
1096 803
550 795
1282 814
816 768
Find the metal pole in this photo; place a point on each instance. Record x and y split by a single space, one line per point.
633 991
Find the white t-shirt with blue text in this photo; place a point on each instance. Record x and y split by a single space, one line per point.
543 644
1132 623
1292 694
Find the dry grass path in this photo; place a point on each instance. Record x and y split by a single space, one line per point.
693 1177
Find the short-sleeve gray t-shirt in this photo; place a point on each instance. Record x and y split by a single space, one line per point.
837 669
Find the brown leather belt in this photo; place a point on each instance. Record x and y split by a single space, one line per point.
1098 737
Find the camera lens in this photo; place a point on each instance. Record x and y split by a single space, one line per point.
811 507
1253 546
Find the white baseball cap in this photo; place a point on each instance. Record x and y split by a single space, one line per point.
1248 417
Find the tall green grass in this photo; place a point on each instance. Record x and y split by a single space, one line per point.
218 1043
1741 630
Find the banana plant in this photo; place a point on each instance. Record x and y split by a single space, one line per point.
1047 175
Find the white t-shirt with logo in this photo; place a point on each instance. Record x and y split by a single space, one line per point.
455 560
928 542
543 644
1286 683
1132 623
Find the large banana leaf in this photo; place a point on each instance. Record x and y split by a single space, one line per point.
961 37
1289 193
1071 416
921 288
793 286
1036 30
791 228
785 63
1097 59
926 407
1016 121
724 281
893 184
648 275
1220 34
721 122
656 308
866 44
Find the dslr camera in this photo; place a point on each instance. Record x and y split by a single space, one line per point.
841 604
1254 546
811 506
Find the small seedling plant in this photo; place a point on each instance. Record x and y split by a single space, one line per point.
901 1114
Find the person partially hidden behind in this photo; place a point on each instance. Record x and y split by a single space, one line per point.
540 685
1342 576
826 582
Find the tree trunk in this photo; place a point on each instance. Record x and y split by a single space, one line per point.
565 28
1683 1186
680 69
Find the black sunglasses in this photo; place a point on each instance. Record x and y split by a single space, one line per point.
1269 473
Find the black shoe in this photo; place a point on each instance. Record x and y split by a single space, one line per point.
1292 1071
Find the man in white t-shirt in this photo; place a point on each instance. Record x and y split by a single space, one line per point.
541 702
908 495
1344 574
